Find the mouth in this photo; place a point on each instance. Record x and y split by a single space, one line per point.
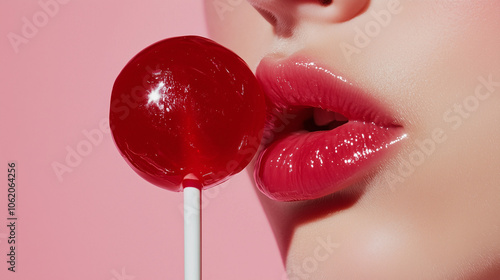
323 133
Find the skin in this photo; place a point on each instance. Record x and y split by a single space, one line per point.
440 219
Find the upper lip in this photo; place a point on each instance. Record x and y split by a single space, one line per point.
326 90
295 85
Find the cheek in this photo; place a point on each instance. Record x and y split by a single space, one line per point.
468 28
239 27
463 32
394 242
355 248
431 55
457 51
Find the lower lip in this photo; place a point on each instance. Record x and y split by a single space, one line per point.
309 165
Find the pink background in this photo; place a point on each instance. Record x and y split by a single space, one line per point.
101 220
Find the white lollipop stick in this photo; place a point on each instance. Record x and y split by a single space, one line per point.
192 229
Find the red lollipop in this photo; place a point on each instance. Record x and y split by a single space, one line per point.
186 107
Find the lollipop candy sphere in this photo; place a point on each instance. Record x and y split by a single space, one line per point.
187 105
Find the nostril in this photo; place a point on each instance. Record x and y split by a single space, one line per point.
286 15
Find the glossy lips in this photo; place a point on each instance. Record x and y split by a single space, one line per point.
310 161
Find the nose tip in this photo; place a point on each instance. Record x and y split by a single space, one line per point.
285 15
